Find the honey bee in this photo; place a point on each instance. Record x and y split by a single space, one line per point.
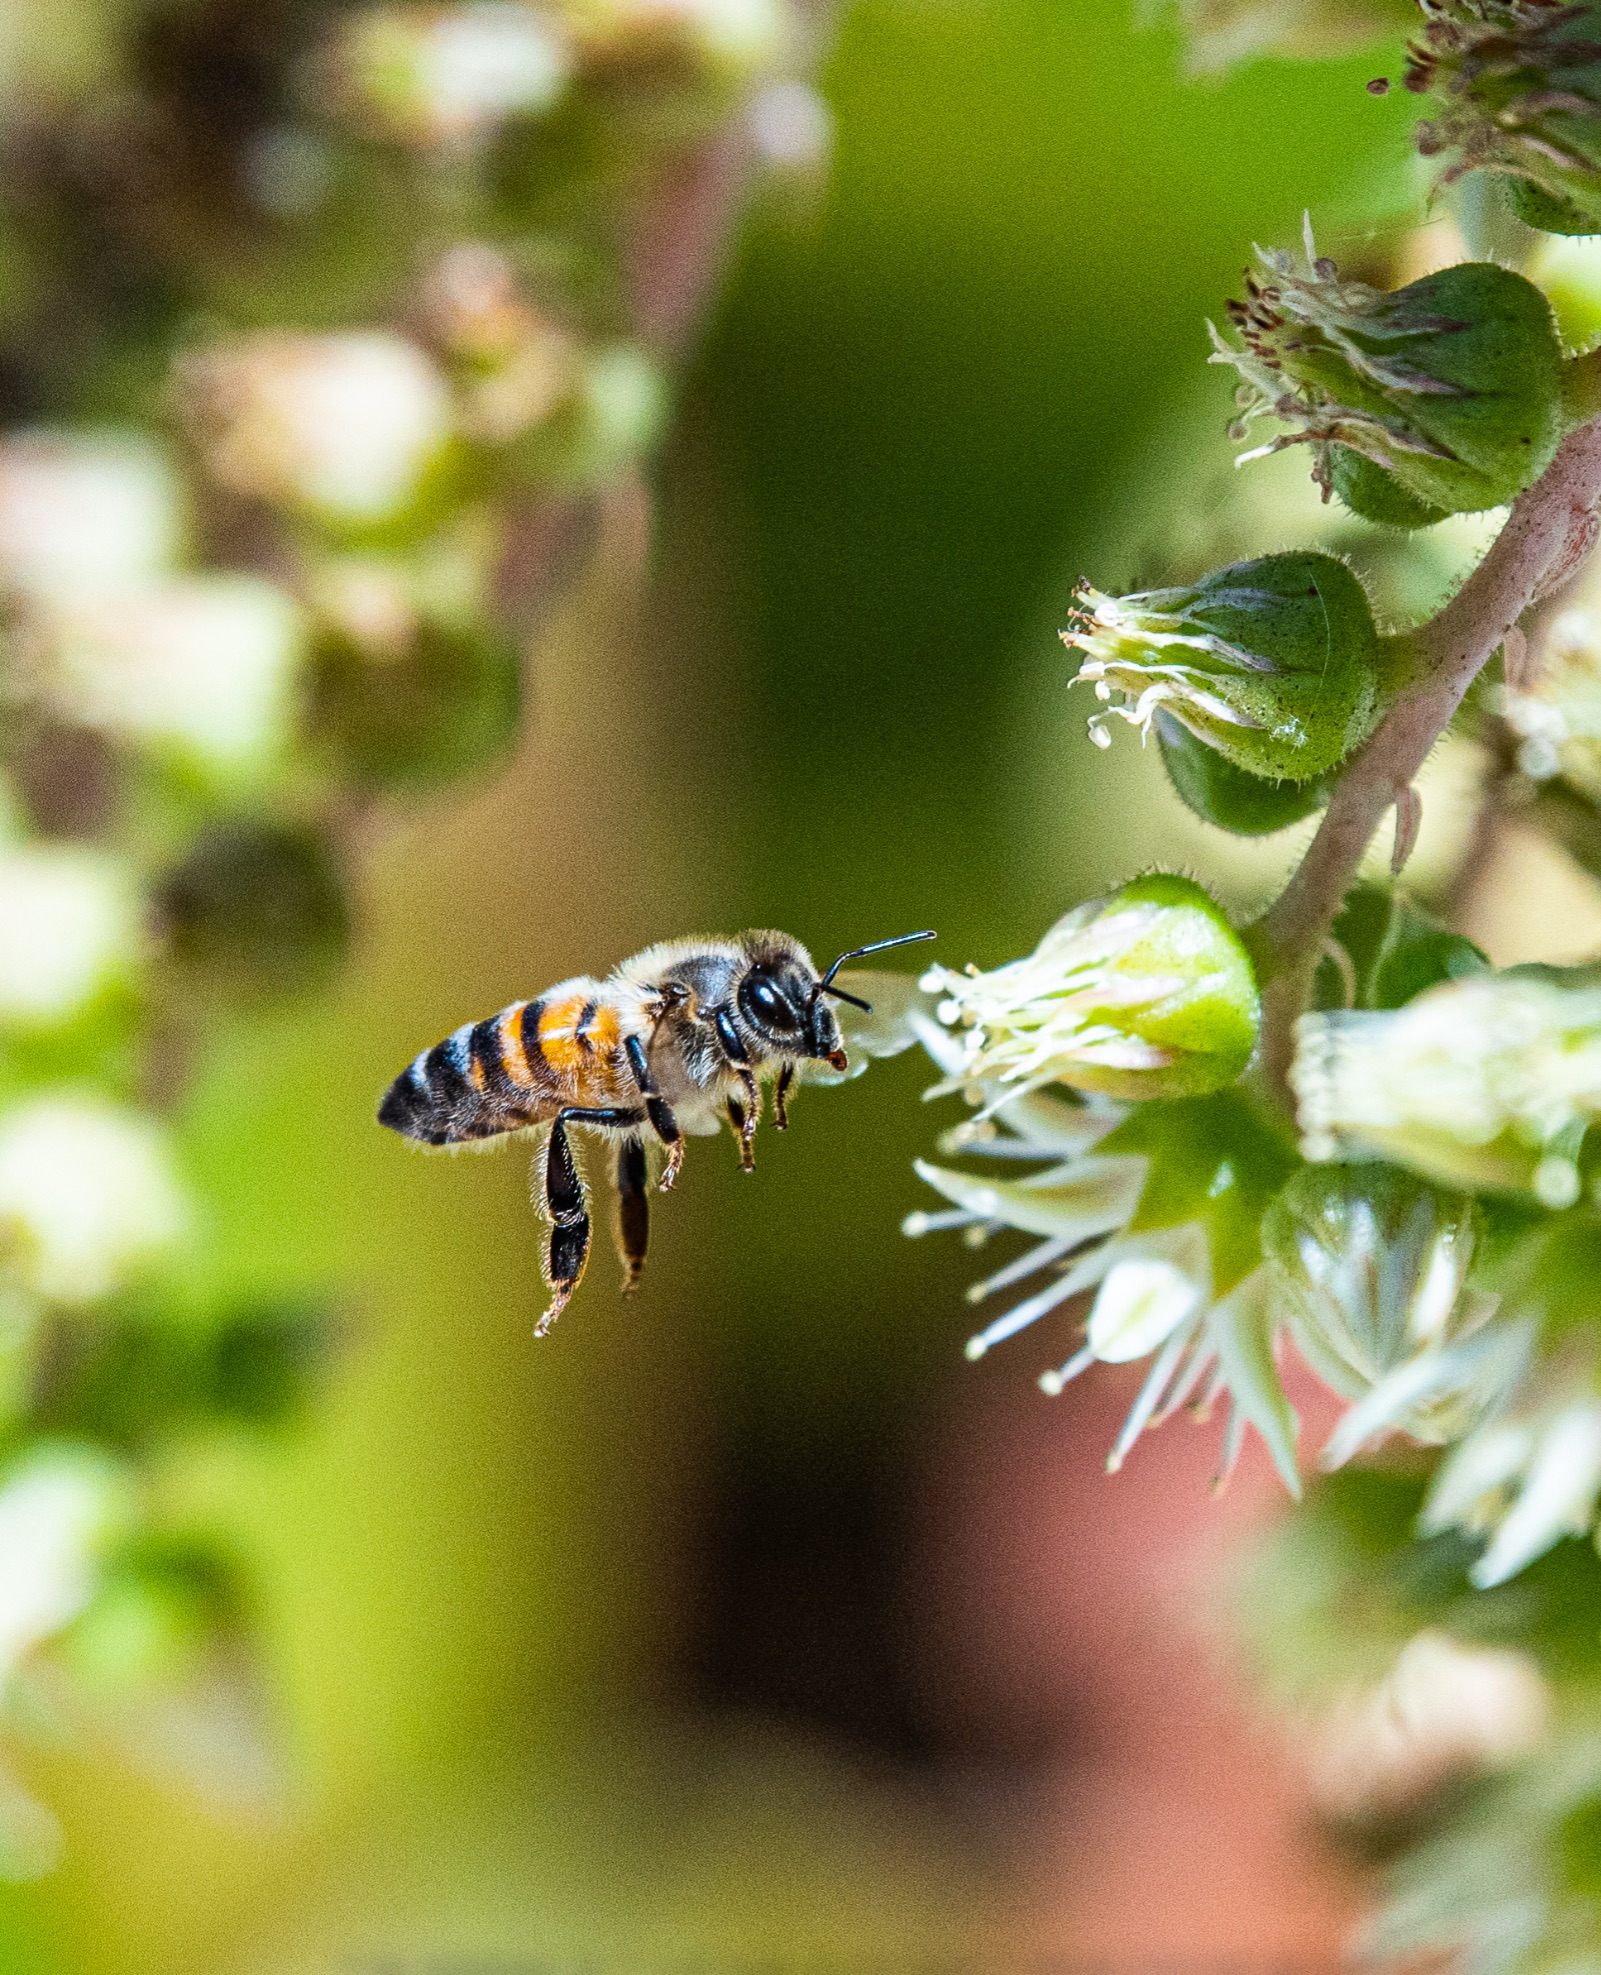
673 1041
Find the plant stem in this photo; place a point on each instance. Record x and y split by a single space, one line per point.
1549 531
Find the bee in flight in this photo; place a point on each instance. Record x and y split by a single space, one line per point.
672 1041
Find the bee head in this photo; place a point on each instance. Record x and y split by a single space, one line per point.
781 996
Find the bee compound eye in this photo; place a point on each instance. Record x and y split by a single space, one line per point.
765 1004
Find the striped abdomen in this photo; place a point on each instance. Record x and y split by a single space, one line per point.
510 1070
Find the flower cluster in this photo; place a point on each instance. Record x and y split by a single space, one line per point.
389 336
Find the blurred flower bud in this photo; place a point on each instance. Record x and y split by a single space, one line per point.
517 364
1557 717
408 690
733 39
88 1196
1371 1266
1485 1082
1442 398
159 1610
1274 663
69 926
255 907
622 409
61 1506
1443 1713
201 666
82 514
431 75
1220 33
1521 83
341 427
1211 787
1144 994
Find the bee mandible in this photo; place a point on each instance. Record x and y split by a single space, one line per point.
673 1041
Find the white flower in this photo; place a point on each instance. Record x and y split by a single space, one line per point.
1141 1302
449 74
1442 1712
1145 994
88 1196
58 1506
344 426
69 922
1528 1478
203 664
82 514
1489 1081
1153 1290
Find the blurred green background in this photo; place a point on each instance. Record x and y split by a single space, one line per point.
613 1645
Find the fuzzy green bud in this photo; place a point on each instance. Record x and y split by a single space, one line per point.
1274 663
1148 993
1520 83
1444 397
1485 1083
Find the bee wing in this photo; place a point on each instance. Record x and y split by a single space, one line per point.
901 1014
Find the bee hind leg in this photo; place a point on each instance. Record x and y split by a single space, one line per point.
567 1210
633 1211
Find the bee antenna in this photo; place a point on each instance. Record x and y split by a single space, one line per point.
825 985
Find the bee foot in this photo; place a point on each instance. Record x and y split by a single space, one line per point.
558 1303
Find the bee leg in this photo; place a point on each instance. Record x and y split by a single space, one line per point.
743 1131
786 1077
633 1211
744 1112
567 1207
657 1109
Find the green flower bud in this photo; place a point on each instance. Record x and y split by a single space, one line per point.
1274 663
435 701
1371 1267
1485 1083
1521 83
1210 785
1450 389
159 1609
256 907
1148 993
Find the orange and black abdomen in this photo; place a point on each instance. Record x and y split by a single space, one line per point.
512 1069
486 1078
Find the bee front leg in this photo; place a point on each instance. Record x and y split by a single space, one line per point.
745 1110
657 1110
786 1077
